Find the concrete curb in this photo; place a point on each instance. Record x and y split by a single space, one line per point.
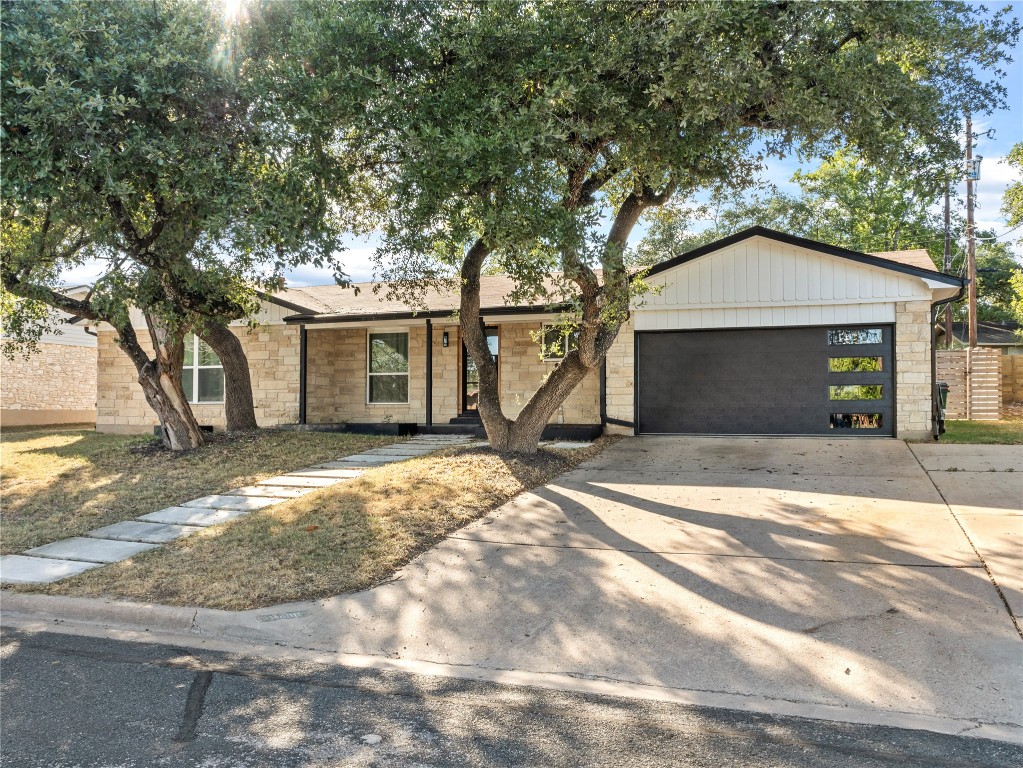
137 622
88 610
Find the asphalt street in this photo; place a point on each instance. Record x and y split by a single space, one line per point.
76 702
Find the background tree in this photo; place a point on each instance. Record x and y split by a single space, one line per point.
846 201
155 136
536 135
1012 207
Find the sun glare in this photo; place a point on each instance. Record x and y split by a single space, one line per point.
233 10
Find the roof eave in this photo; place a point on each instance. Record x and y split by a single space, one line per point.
312 319
802 242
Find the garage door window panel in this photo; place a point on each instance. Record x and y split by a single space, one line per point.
855 392
844 337
872 421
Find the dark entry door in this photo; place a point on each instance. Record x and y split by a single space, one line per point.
775 381
470 374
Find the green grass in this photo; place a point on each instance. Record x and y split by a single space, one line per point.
58 483
981 432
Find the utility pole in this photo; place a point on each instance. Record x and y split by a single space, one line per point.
971 253
947 264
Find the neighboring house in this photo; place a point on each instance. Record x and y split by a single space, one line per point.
57 383
1003 336
760 333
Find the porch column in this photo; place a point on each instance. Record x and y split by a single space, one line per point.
302 343
429 374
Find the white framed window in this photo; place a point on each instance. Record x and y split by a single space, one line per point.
387 367
202 375
557 341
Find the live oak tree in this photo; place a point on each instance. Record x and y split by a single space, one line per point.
155 138
536 135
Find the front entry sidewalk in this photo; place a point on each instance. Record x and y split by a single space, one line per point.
120 541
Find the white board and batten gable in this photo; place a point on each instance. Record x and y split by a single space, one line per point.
760 281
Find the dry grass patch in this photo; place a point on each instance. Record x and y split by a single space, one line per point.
336 540
61 483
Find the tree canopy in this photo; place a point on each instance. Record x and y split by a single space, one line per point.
156 138
535 135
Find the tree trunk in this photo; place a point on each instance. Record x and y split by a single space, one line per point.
238 405
161 382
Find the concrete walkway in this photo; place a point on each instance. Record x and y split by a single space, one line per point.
849 580
120 541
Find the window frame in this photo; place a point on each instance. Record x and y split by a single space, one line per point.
370 333
566 336
194 368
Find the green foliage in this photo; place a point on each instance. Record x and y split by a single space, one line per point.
845 202
491 119
152 135
1012 201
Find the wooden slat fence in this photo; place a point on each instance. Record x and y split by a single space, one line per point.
974 378
1012 378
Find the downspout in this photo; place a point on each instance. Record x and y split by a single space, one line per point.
935 308
302 348
429 375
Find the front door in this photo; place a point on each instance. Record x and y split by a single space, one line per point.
470 374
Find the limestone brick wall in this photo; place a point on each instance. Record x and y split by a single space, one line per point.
913 370
620 380
446 381
523 371
336 378
273 355
55 385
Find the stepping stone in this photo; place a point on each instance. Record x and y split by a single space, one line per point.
340 465
217 501
18 569
568 446
365 459
152 533
301 482
321 471
400 455
188 516
91 550
277 491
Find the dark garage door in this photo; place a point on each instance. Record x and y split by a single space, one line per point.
772 381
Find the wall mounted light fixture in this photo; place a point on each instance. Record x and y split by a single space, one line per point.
444 339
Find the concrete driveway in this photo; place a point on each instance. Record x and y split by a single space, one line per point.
847 579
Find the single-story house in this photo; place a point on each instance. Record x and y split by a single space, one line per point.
56 384
760 333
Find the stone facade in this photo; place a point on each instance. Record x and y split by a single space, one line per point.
913 386
621 371
523 370
337 387
55 385
336 378
273 355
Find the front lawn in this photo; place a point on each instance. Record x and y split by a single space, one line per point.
348 537
61 483
1008 431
